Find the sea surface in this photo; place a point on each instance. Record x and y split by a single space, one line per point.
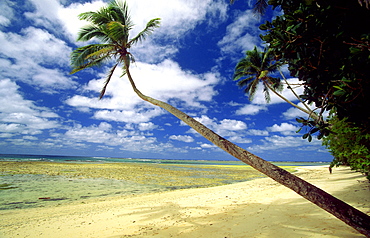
29 190
81 159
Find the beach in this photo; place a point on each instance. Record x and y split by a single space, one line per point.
256 208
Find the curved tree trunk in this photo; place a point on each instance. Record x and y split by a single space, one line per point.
348 214
309 111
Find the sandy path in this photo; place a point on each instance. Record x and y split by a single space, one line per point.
258 208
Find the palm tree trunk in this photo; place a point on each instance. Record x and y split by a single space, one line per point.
309 112
348 214
295 94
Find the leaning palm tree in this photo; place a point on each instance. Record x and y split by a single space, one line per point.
257 67
111 25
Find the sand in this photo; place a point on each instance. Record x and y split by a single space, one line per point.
257 208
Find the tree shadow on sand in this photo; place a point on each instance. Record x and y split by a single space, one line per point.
282 218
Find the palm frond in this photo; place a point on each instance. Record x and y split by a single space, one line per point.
118 32
251 89
121 13
102 16
90 55
109 76
150 26
260 7
89 32
266 92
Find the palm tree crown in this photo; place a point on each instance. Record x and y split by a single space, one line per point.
256 67
111 26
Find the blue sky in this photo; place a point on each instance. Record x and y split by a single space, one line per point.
187 62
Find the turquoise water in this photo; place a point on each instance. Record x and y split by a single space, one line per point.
80 159
19 191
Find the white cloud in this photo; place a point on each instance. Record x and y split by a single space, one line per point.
146 126
240 139
284 128
207 146
6 12
23 116
35 56
242 34
165 81
256 132
233 130
144 115
232 125
183 16
105 134
183 138
250 109
276 142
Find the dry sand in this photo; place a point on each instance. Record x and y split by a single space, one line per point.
257 208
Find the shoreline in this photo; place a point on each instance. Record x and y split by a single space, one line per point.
256 208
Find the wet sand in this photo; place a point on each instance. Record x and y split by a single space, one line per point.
257 208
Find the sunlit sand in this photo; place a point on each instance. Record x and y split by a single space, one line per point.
256 208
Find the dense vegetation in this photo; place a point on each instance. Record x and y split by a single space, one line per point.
326 44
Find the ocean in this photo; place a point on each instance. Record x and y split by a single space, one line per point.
83 159
29 181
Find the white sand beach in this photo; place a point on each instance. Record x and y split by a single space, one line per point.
257 208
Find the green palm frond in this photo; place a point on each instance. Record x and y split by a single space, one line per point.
266 92
120 13
102 16
90 55
110 25
251 89
256 67
260 7
89 32
118 32
150 26
109 76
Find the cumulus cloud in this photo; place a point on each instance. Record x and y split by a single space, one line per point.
165 81
233 130
6 12
250 109
184 138
26 58
276 142
21 116
105 135
256 132
284 128
242 34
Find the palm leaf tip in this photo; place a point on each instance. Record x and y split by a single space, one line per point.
109 77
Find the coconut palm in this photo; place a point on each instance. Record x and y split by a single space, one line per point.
257 67
111 25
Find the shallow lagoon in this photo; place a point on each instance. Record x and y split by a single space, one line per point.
34 184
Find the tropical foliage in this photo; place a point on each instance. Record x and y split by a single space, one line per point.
111 26
327 48
349 145
326 44
257 67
